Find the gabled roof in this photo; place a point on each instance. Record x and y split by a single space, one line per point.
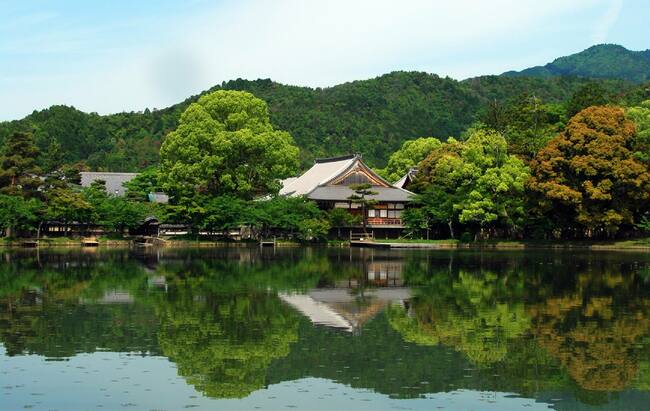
114 181
321 172
323 181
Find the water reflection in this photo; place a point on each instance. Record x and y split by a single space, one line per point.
559 328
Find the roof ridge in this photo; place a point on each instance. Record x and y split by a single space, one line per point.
338 158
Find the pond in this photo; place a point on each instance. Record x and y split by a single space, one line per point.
324 329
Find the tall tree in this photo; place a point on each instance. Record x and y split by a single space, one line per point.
591 94
408 156
18 169
225 144
473 182
589 177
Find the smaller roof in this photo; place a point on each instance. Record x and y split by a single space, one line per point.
114 181
406 178
340 192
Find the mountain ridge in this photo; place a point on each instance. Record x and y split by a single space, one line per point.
602 61
373 116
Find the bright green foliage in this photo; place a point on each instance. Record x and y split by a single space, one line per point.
408 156
65 205
225 213
225 144
492 181
17 213
145 182
466 313
18 167
223 345
640 115
473 182
294 215
114 213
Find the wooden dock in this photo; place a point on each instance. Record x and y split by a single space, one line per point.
89 242
365 240
268 242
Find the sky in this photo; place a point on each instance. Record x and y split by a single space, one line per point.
118 55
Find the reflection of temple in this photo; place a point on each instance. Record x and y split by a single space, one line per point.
350 303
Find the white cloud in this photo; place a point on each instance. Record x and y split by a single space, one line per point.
607 21
315 43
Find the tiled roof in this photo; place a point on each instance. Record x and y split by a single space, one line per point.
321 172
114 181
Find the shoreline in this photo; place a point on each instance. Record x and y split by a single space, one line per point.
624 245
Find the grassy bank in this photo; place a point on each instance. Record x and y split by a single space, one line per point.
635 244
64 242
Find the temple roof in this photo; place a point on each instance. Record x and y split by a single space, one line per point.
321 172
330 178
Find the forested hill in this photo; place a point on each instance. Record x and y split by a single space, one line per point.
372 117
601 61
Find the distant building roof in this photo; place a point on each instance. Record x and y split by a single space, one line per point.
406 178
329 180
114 181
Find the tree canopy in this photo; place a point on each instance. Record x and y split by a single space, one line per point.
225 144
589 174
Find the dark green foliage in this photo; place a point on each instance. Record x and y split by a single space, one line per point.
18 169
591 94
601 61
373 117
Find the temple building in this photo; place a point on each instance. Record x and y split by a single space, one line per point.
328 183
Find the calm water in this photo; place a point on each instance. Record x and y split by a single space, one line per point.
324 329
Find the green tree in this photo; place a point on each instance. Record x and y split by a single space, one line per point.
144 183
360 196
66 206
18 169
473 182
339 217
295 216
408 156
640 115
588 178
589 95
17 213
225 144
492 181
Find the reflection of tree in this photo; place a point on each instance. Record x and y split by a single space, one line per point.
469 314
595 330
223 344
50 310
